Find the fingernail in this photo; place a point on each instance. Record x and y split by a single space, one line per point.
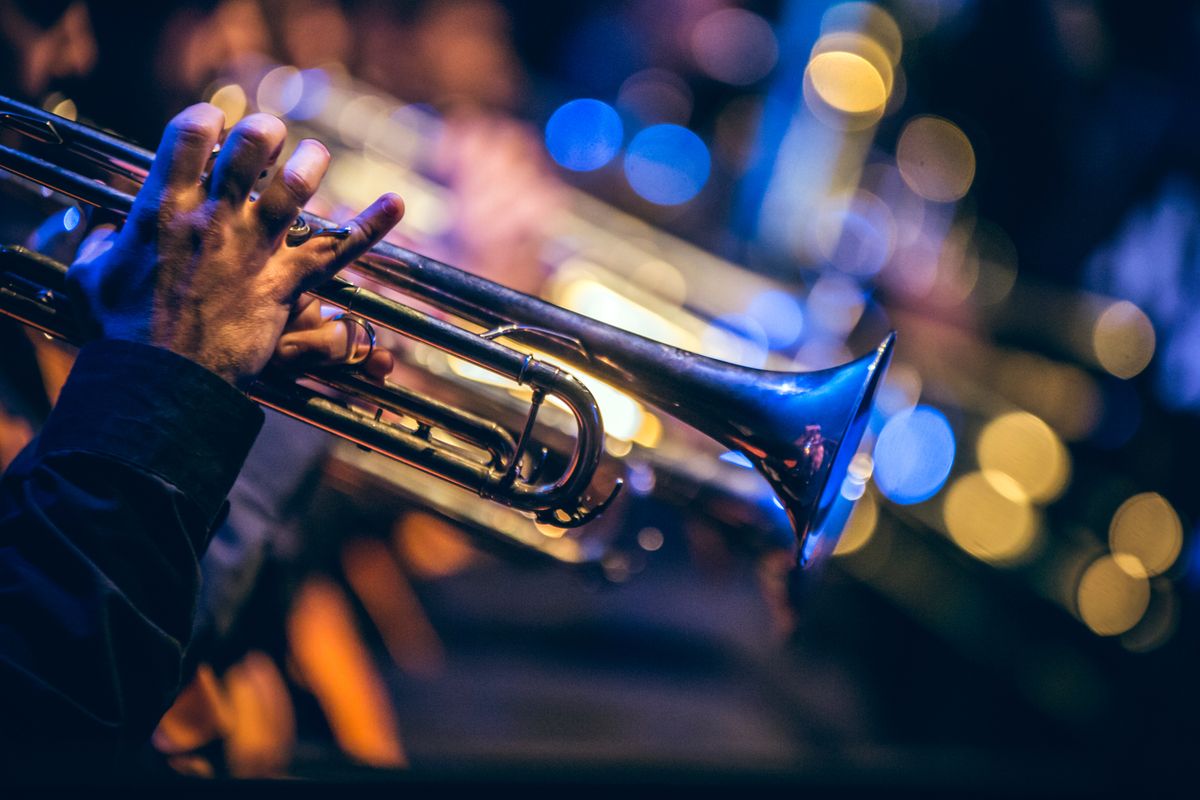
392 203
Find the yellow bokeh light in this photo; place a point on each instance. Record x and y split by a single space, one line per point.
859 527
66 109
1123 339
1110 599
1024 447
847 82
1147 528
650 432
990 517
232 101
936 159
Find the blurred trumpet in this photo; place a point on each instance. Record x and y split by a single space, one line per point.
800 430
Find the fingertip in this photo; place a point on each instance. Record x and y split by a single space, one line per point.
203 118
380 364
392 205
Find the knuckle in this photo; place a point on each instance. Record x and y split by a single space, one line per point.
261 131
196 130
298 185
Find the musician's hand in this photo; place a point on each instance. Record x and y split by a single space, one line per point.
316 338
201 269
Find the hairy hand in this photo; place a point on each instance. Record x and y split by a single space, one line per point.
199 268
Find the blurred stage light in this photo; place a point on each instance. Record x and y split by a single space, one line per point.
1024 448
735 46
859 527
869 19
848 85
584 135
232 101
936 159
913 455
1123 339
780 315
901 389
751 341
64 107
857 238
667 164
836 303
662 278
1111 596
279 91
1147 528
989 516
650 539
314 92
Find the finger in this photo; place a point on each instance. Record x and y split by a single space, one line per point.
186 146
95 244
379 364
337 341
252 144
306 315
322 257
292 187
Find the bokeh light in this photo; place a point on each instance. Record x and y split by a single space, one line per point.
780 315
989 516
750 343
65 108
844 90
836 303
667 164
869 19
859 527
584 135
1111 597
279 91
936 159
1024 448
1123 339
901 389
1147 528
232 101
914 455
735 46
315 85
858 237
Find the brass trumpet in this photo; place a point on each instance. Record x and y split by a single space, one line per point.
800 430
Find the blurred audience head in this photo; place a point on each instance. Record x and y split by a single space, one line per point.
43 42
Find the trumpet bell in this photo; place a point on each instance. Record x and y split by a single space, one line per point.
802 433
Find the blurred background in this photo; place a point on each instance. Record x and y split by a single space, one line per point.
1010 186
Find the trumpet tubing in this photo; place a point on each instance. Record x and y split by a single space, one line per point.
799 430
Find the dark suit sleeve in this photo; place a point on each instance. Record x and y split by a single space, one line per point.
103 519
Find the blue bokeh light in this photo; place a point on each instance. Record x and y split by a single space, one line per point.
913 455
667 164
584 135
313 93
780 315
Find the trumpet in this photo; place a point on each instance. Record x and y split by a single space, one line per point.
799 430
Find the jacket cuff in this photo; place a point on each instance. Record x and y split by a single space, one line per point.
158 411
